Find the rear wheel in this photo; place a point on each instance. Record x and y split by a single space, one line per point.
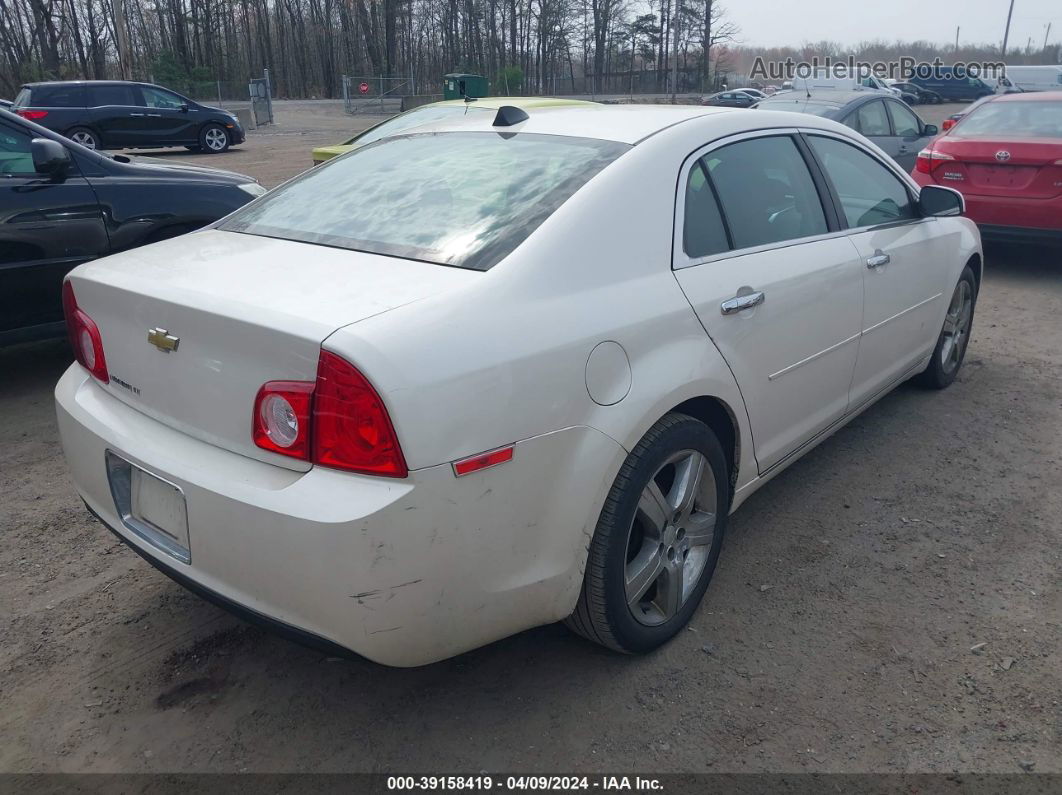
658 539
954 337
213 139
85 137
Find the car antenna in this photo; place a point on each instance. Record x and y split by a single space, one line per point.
508 115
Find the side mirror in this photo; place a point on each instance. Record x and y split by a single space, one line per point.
184 107
49 157
930 129
937 201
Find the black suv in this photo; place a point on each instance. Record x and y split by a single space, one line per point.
62 204
111 114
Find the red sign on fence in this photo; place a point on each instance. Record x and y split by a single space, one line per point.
364 88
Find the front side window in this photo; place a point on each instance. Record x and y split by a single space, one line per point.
872 119
456 198
15 155
766 191
904 121
157 98
870 194
101 96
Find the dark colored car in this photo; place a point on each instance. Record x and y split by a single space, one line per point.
62 204
6 104
731 99
881 117
111 114
922 96
952 86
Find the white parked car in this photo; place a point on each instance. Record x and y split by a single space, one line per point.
488 376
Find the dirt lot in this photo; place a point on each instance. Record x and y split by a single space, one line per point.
836 637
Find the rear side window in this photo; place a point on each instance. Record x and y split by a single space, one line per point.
870 194
111 95
766 191
872 120
703 232
53 97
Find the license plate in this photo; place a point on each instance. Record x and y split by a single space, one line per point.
151 507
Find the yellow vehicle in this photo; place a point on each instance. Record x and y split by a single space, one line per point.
427 114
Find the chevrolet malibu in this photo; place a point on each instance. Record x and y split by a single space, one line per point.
504 371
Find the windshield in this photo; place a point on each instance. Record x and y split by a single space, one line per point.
454 198
414 118
1036 119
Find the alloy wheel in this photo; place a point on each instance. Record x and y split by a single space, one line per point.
957 326
671 537
84 138
216 139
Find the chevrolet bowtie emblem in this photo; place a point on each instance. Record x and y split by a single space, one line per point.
163 340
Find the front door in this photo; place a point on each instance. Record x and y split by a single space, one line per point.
779 293
47 226
903 260
169 118
908 131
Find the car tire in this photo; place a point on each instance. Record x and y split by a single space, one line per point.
85 137
213 139
647 571
950 350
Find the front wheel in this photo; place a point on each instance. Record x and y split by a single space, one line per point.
213 139
658 539
954 337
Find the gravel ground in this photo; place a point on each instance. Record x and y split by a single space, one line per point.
891 603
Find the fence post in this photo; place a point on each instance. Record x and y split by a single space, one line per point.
219 93
269 94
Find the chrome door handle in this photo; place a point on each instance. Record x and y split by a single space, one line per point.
741 302
878 260
136 114
155 115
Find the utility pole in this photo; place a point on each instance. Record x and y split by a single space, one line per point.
1006 31
674 55
1046 35
122 40
957 38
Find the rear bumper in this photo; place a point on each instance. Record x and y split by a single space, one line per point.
403 572
1020 234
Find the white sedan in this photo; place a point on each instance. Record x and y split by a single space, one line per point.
505 371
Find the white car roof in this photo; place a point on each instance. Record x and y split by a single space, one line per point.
623 123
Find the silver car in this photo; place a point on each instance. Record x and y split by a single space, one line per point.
886 120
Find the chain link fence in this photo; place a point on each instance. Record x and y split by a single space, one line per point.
375 94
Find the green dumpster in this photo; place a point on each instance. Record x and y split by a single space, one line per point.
459 86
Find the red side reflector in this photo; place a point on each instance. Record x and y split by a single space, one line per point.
32 115
482 461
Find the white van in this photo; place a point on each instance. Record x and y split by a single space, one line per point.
831 82
1035 78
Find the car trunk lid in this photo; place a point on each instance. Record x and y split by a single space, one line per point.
1030 168
237 311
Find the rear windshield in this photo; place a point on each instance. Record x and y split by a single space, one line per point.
415 118
454 198
1016 119
798 106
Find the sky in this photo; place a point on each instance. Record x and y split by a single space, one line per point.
777 23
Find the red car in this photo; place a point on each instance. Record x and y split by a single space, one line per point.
1005 157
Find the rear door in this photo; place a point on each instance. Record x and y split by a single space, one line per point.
168 118
872 120
116 113
779 292
47 226
903 260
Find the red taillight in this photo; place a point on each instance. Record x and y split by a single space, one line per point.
351 428
339 421
947 125
282 417
32 115
929 160
84 336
